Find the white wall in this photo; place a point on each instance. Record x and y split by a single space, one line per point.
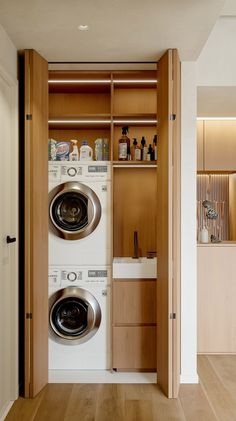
8 55
216 65
9 108
188 224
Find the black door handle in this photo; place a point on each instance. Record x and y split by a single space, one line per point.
11 239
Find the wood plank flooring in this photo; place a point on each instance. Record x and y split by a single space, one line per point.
214 399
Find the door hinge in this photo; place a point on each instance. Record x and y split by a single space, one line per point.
173 117
172 315
28 116
28 315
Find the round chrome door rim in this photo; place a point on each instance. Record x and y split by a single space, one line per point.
94 315
74 187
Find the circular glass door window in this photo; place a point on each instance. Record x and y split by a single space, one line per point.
74 315
70 316
74 209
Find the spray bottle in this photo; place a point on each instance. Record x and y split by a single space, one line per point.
124 145
74 155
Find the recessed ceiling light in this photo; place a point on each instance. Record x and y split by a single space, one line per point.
83 27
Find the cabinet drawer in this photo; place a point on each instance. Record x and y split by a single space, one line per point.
134 302
134 347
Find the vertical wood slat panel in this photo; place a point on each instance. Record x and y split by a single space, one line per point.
36 223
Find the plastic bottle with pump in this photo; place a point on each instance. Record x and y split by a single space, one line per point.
74 155
144 150
124 145
150 153
86 153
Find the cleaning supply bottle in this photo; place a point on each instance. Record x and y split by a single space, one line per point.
86 153
74 155
150 153
155 147
144 150
136 155
124 145
133 149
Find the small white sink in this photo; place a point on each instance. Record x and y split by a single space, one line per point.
128 267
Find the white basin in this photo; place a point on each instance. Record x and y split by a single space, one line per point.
128 267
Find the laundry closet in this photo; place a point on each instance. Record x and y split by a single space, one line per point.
126 262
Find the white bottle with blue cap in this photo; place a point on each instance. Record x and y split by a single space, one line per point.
86 153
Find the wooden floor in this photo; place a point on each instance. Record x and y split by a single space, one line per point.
213 399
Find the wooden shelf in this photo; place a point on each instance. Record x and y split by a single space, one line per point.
135 119
79 82
79 121
135 164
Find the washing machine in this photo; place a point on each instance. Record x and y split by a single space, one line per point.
79 318
79 213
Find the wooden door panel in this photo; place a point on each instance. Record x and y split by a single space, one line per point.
134 301
36 222
134 348
168 221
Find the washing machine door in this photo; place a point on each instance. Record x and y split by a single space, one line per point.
74 210
74 315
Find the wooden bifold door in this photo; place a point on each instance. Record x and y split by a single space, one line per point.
36 223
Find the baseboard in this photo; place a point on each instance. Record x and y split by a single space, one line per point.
99 376
5 410
189 379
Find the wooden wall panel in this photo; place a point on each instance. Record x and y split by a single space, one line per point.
140 101
79 103
220 145
134 207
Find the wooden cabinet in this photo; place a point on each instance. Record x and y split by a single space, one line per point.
134 324
96 104
134 348
216 292
216 145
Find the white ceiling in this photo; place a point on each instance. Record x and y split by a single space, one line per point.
120 30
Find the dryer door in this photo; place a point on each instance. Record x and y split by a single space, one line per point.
74 210
74 315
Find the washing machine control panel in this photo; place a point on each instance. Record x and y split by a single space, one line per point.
59 172
83 277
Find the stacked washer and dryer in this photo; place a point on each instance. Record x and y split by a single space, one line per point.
79 271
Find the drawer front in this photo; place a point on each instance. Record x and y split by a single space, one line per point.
134 348
134 302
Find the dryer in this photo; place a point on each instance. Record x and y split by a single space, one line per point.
79 318
79 213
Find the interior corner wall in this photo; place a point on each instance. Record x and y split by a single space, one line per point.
8 55
188 224
216 65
